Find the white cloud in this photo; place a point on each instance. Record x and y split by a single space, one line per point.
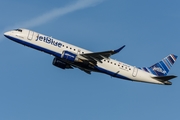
52 14
44 18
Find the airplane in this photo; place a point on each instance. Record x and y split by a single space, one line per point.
67 56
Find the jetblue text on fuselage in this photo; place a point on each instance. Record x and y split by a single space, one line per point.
48 40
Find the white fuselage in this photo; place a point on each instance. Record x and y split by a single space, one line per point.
56 47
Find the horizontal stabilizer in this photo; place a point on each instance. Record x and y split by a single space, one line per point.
164 78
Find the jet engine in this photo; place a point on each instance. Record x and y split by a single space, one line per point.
69 56
58 63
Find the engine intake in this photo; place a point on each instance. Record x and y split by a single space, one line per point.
72 57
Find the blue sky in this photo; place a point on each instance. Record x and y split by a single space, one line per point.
32 88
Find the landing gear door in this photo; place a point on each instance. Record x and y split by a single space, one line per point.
30 35
135 71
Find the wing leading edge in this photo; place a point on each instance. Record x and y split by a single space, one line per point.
98 56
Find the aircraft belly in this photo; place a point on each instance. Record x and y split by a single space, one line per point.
112 72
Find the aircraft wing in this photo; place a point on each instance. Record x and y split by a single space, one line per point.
98 56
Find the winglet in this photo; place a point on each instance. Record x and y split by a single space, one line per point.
118 50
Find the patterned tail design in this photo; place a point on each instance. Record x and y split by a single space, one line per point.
162 68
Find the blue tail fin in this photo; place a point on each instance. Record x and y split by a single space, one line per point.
161 68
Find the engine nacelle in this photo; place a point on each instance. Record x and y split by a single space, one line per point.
60 64
72 57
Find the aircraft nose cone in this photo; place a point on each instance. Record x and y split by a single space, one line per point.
6 34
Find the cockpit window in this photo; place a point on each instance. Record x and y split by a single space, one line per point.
19 30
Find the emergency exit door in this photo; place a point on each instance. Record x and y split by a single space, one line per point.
135 71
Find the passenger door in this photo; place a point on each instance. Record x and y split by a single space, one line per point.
30 35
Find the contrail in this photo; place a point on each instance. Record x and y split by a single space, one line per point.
52 14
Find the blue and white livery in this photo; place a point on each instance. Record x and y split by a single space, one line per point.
67 56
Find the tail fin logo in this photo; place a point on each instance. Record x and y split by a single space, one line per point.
161 68
158 69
